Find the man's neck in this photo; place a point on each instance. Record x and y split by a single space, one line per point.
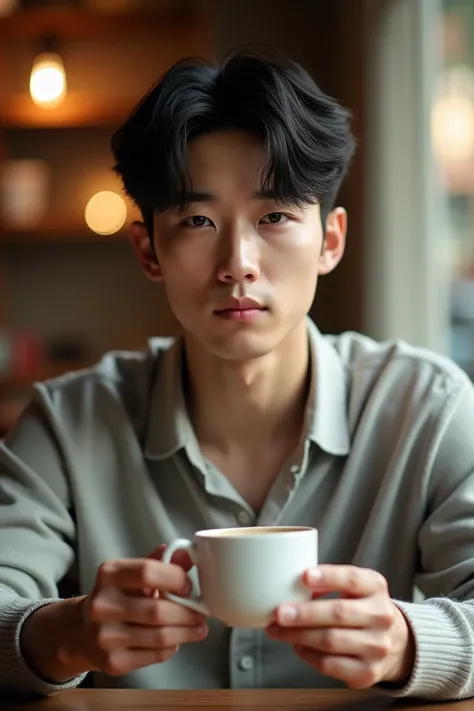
247 405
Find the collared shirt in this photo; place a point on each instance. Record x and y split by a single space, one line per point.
105 464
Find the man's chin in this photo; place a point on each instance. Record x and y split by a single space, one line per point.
241 346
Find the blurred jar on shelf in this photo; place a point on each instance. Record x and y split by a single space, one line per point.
24 192
21 354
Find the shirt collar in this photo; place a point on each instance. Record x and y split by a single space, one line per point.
327 415
169 427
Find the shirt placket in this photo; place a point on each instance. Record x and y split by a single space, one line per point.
284 488
245 659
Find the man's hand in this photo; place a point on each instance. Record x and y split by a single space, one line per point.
360 637
122 625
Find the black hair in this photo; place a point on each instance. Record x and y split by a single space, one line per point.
306 133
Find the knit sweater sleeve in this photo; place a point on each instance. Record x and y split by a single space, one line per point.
37 540
443 623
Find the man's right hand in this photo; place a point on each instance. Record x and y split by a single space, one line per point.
122 625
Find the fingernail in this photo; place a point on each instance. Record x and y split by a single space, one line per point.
187 588
314 575
288 613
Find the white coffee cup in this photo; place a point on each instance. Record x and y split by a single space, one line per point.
245 573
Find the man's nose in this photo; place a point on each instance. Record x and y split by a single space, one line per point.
240 261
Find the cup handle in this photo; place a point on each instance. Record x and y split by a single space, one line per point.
183 544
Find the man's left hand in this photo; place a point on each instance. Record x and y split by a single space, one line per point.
360 637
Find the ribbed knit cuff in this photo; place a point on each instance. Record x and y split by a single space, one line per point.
444 653
15 675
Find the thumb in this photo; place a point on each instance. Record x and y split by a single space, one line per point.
157 553
180 557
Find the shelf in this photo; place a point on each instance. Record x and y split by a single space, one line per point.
168 24
57 233
79 109
75 23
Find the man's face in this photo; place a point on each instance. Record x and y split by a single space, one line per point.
240 270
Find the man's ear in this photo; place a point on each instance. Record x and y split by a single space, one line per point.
334 241
143 247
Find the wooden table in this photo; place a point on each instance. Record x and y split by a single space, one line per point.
258 700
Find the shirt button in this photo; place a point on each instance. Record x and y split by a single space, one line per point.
246 663
243 518
295 469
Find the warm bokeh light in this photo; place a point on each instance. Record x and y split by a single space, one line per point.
453 128
48 80
8 6
106 213
453 116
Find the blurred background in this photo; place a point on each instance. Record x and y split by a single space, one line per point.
71 71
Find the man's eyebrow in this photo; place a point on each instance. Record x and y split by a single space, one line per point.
193 196
198 196
203 196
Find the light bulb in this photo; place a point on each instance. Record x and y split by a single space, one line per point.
48 80
106 213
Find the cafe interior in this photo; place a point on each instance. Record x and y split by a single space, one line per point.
72 70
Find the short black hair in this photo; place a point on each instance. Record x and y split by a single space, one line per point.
306 133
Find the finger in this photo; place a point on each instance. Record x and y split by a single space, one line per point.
158 552
148 592
117 635
159 612
363 644
338 612
144 611
142 573
121 662
353 672
165 637
180 557
346 579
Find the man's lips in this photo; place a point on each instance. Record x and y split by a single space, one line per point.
244 308
240 304
241 314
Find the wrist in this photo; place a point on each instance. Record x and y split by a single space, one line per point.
401 669
51 641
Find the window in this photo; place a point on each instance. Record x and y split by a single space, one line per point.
453 146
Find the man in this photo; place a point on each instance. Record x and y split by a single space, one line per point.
250 417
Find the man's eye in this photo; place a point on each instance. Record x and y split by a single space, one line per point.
274 218
197 221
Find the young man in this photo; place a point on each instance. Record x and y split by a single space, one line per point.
249 417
